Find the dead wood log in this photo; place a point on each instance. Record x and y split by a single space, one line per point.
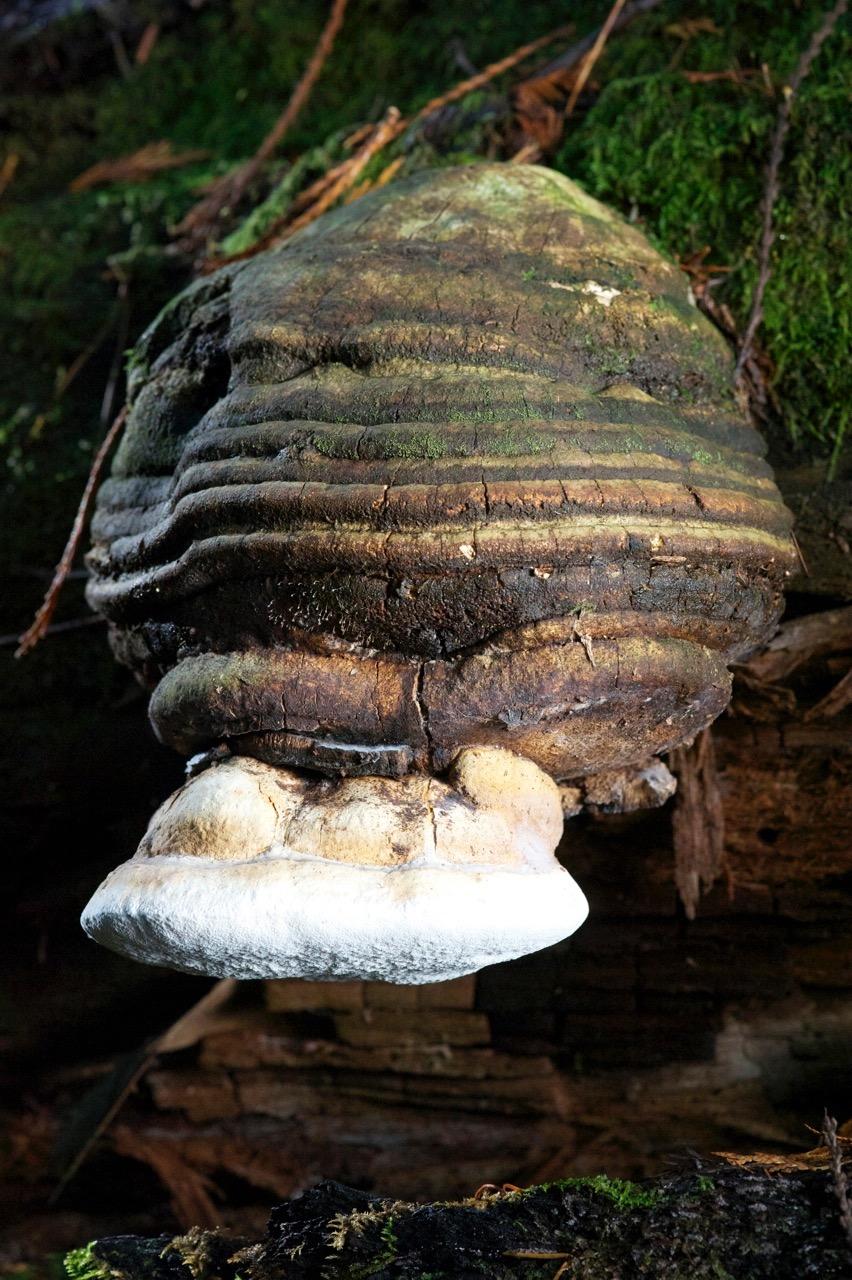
743 1218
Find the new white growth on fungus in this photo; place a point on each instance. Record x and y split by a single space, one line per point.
252 871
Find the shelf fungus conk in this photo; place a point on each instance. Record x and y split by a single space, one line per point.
443 503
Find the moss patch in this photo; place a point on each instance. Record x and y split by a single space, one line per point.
623 1194
83 1264
688 159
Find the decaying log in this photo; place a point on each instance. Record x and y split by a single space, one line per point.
727 1219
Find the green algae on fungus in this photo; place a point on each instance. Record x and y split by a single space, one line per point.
394 444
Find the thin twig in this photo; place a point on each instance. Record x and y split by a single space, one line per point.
838 1175
536 1255
300 95
116 369
57 628
803 564
307 197
385 131
592 56
80 361
387 175
772 188
572 56
121 59
536 97
489 73
733 75
37 628
834 702
460 56
139 166
8 169
231 189
145 47
530 153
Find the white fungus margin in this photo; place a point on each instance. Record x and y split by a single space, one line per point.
252 871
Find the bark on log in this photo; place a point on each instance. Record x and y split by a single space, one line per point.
744 1220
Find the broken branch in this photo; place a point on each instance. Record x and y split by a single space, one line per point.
698 821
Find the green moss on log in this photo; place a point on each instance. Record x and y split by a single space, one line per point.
740 1222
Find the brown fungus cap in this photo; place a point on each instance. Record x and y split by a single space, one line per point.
458 465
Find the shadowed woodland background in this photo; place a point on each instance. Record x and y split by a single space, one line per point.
651 1034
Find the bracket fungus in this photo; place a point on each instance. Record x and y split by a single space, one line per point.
444 502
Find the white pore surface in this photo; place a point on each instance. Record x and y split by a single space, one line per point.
255 871
280 917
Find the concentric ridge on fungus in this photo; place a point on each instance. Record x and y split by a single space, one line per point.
457 465
449 493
